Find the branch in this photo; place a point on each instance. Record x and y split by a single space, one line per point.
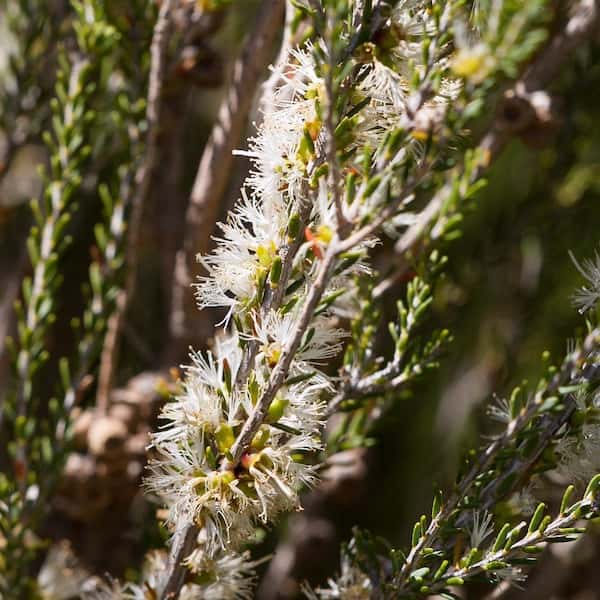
110 351
489 455
582 25
280 372
215 167
183 544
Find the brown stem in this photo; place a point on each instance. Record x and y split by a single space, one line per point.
182 545
281 370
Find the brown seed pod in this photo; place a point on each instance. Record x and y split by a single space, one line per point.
128 414
81 426
107 437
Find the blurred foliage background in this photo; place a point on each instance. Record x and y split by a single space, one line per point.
505 296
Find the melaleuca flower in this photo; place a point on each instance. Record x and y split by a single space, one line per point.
188 473
579 455
352 584
392 105
299 406
185 474
474 63
321 342
281 153
513 575
499 410
154 576
587 297
384 86
224 576
525 501
412 19
481 527
473 58
189 469
278 151
253 233
101 589
388 109
206 402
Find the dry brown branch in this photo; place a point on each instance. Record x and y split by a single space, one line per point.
214 172
110 351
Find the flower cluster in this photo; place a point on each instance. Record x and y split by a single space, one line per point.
588 296
191 471
265 262
579 454
351 584
222 577
342 149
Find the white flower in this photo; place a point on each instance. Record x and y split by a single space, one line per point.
188 471
512 575
352 584
206 402
251 236
100 589
579 456
279 174
499 410
198 492
413 18
587 296
228 576
481 528
322 340
392 106
154 577
384 85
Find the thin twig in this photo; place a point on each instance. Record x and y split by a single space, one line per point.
535 538
280 372
582 25
110 351
183 543
489 455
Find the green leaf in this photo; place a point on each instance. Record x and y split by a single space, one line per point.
566 499
537 517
